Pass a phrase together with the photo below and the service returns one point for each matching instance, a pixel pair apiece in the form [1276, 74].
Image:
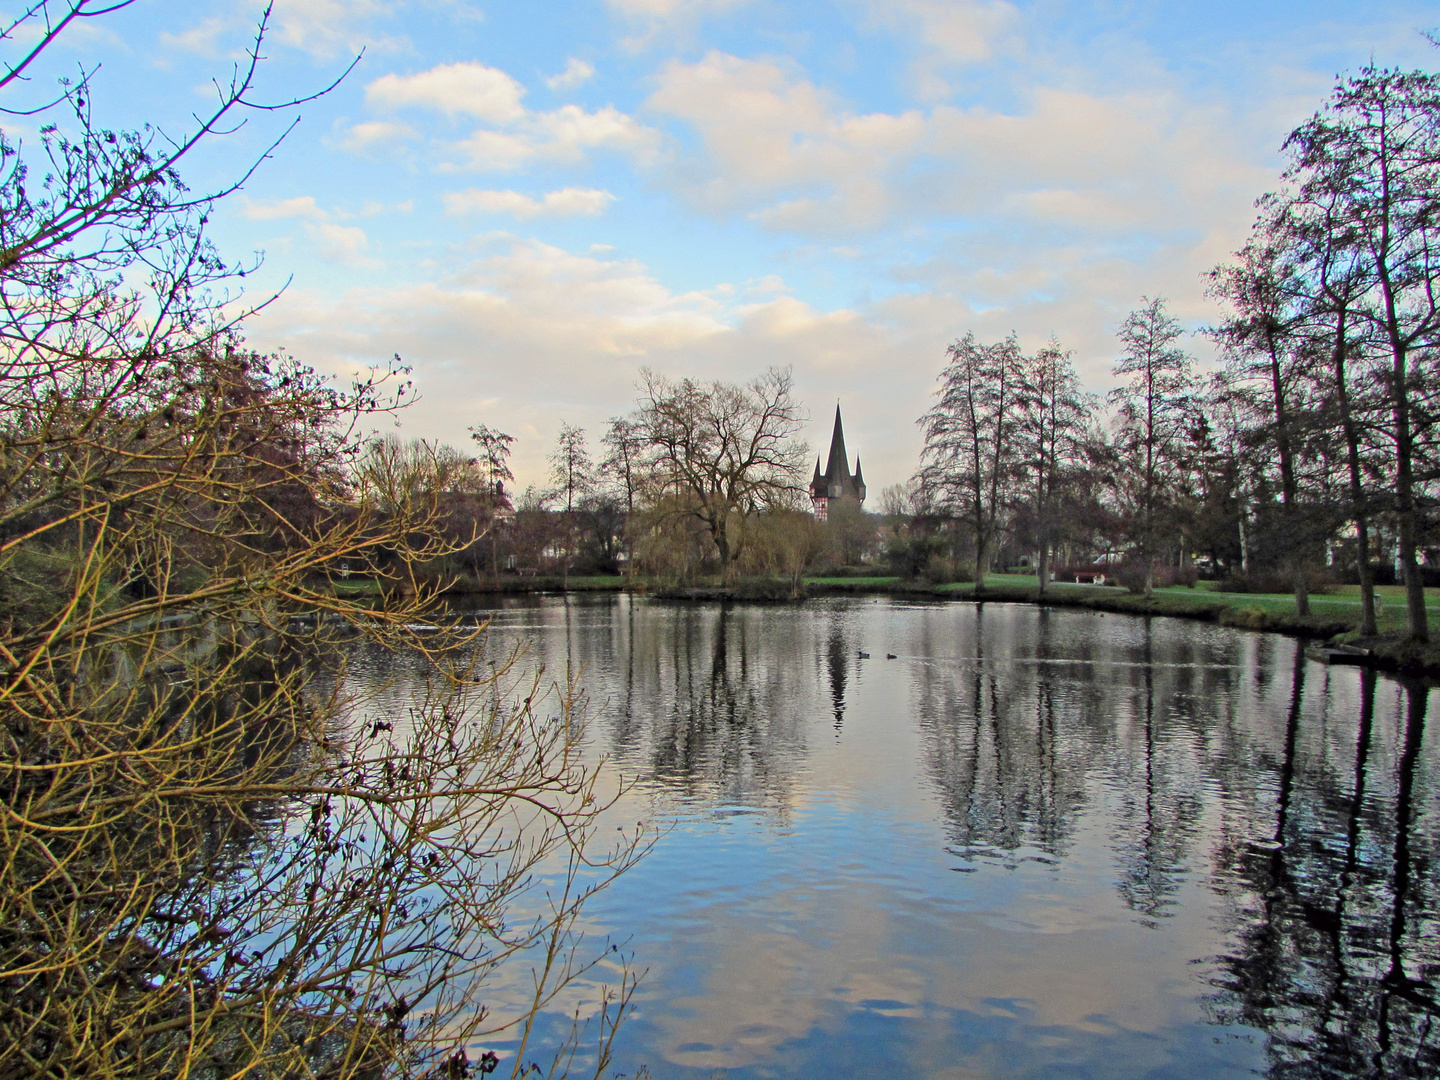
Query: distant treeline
[1308, 456]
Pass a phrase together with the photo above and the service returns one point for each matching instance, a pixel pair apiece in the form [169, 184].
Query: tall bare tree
[719, 453]
[971, 449]
[1152, 417]
[1332, 284]
[624, 457]
[492, 457]
[1053, 419]
[1371, 154]
[571, 470]
[1271, 368]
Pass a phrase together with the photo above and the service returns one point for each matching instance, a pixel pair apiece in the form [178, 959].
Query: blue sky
[529, 202]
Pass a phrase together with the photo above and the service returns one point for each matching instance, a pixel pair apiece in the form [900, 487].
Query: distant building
[837, 482]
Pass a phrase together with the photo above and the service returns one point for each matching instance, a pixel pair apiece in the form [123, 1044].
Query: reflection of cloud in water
[1174, 853]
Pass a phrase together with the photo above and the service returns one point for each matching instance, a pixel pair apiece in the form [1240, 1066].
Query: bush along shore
[1334, 619]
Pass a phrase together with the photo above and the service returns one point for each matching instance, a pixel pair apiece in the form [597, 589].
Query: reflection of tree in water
[1333, 906]
[1160, 804]
[718, 691]
[1007, 751]
[1315, 793]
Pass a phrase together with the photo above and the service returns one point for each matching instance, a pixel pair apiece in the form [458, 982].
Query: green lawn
[1343, 604]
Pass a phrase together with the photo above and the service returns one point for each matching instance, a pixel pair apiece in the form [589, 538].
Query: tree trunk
[1405, 508]
[1358, 512]
[1406, 511]
[1244, 543]
[1042, 565]
[722, 545]
[1294, 525]
[1367, 575]
[979, 559]
[1147, 552]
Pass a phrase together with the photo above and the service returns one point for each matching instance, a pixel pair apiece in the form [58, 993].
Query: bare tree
[570, 468]
[719, 453]
[971, 453]
[1370, 156]
[1271, 368]
[492, 457]
[624, 456]
[1152, 421]
[492, 463]
[1053, 419]
[1332, 284]
[213, 861]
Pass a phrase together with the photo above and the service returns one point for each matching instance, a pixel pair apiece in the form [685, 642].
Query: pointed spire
[837, 471]
[859, 476]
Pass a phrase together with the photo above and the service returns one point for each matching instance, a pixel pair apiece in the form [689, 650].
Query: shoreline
[1386, 651]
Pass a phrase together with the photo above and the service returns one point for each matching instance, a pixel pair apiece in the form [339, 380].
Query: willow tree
[719, 453]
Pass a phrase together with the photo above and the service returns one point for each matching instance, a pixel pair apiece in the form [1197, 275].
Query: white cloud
[203, 39]
[568, 202]
[945, 34]
[577, 72]
[538, 332]
[767, 133]
[962, 31]
[562, 136]
[329, 240]
[372, 133]
[517, 136]
[340, 243]
[786, 152]
[671, 19]
[325, 29]
[469, 88]
[301, 206]
[666, 10]
[328, 28]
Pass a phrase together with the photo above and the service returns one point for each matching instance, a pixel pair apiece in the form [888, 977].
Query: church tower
[837, 482]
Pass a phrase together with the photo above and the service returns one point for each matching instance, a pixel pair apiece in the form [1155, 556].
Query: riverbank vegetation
[1304, 461]
[218, 856]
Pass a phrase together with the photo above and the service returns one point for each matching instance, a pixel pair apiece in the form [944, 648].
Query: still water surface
[1031, 844]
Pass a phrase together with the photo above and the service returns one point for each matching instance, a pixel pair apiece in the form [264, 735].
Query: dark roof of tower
[838, 467]
[837, 481]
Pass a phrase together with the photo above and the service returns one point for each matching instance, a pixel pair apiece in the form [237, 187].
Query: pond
[951, 840]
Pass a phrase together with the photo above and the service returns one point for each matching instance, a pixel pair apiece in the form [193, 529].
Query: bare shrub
[214, 863]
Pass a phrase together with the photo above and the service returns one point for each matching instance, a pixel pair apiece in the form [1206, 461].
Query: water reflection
[1182, 850]
[1334, 918]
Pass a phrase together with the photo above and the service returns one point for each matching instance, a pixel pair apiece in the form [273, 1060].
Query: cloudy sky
[528, 202]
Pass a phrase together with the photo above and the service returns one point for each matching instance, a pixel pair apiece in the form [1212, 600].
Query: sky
[530, 202]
